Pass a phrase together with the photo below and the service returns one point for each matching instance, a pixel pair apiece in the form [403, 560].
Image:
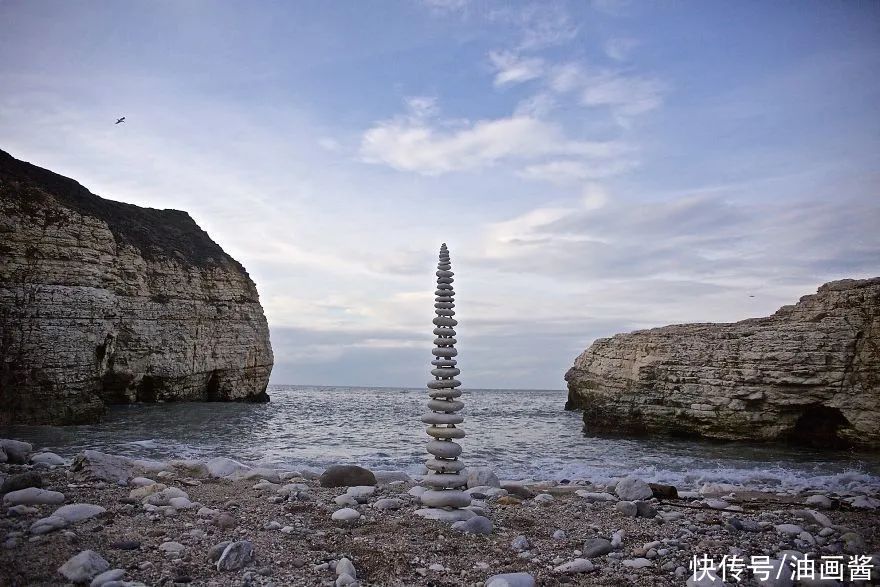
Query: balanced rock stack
[443, 498]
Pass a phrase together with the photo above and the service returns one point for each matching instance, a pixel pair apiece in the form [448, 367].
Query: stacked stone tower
[443, 498]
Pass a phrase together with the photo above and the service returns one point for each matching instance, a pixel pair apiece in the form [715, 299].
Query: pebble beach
[102, 519]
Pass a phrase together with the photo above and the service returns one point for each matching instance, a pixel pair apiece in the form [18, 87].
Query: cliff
[810, 373]
[103, 302]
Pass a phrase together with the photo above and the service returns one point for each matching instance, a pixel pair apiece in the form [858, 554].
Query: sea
[522, 434]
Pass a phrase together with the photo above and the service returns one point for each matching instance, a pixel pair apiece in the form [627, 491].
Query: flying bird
[120, 120]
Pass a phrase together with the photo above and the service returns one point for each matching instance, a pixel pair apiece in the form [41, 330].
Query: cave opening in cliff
[819, 427]
[146, 391]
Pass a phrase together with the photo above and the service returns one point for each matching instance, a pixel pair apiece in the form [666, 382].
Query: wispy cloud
[620, 49]
[419, 143]
[513, 69]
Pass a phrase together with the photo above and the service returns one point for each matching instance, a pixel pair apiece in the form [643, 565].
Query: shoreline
[158, 522]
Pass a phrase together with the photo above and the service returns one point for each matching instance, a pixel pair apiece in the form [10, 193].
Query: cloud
[627, 96]
[573, 171]
[513, 69]
[619, 49]
[430, 147]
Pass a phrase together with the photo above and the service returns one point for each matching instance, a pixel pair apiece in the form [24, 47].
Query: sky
[595, 167]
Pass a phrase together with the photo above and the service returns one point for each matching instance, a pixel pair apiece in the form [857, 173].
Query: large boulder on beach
[104, 467]
[809, 374]
[104, 302]
[16, 451]
[633, 489]
[346, 476]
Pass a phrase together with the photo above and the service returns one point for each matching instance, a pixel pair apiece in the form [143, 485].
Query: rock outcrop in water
[103, 302]
[810, 373]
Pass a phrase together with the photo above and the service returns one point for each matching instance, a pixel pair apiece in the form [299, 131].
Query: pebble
[273, 525]
[361, 493]
[436, 567]
[578, 565]
[544, 498]
[560, 534]
[637, 563]
[520, 543]
[617, 539]
[627, 508]
[346, 516]
[716, 504]
[223, 520]
[125, 545]
[84, 566]
[476, 525]
[33, 496]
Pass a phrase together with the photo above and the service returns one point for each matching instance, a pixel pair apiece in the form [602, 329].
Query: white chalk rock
[33, 496]
[84, 567]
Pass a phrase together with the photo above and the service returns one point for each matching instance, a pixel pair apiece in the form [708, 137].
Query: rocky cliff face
[103, 302]
[810, 373]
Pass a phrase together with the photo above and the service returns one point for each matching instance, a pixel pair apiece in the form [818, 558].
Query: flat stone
[578, 565]
[346, 476]
[448, 498]
[49, 524]
[627, 508]
[716, 504]
[511, 580]
[386, 477]
[790, 529]
[444, 515]
[225, 468]
[596, 547]
[236, 556]
[106, 577]
[83, 567]
[389, 503]
[125, 545]
[361, 492]
[637, 563]
[544, 498]
[141, 482]
[47, 458]
[264, 473]
[21, 510]
[593, 496]
[446, 480]
[33, 496]
[77, 512]
[476, 525]
[633, 489]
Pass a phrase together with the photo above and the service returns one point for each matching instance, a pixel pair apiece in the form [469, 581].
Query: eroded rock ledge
[810, 373]
[104, 302]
